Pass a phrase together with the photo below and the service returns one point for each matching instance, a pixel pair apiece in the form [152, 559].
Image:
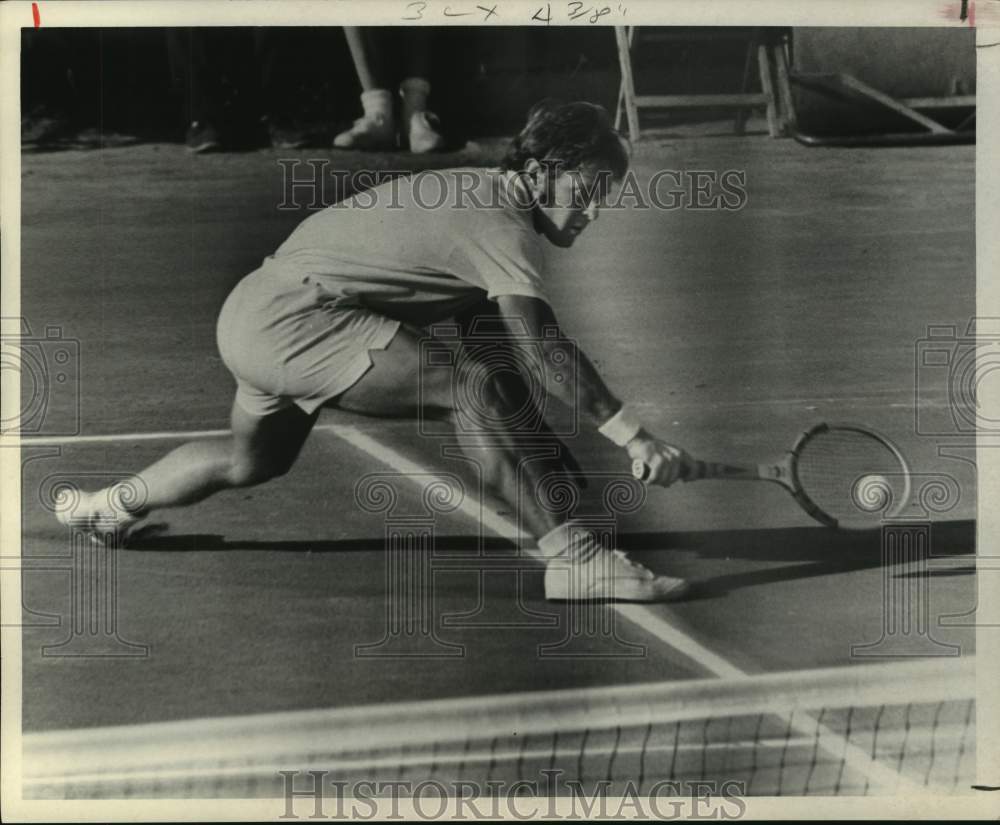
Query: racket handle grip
[693, 471]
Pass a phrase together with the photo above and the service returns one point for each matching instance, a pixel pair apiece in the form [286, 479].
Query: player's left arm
[571, 377]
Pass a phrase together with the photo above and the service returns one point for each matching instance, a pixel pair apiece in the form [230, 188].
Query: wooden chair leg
[767, 86]
[620, 104]
[628, 85]
[741, 114]
[786, 105]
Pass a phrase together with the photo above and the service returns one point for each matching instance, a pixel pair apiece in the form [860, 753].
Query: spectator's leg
[376, 128]
[48, 103]
[365, 55]
[419, 126]
[187, 52]
[279, 92]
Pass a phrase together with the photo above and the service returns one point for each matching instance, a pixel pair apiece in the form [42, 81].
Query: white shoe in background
[423, 134]
[421, 128]
[375, 129]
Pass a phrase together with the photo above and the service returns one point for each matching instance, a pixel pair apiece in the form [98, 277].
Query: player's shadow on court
[212, 543]
[810, 551]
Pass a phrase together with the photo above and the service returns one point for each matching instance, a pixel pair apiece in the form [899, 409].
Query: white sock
[414, 91]
[377, 104]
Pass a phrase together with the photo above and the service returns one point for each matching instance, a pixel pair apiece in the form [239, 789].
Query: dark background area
[120, 80]
[99, 87]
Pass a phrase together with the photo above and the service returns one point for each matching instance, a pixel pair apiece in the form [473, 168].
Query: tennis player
[338, 318]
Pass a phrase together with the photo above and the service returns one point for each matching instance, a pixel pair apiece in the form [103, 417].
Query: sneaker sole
[369, 147]
[123, 534]
[675, 594]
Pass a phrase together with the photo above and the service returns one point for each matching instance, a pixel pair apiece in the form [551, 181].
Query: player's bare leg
[257, 449]
[395, 388]
[579, 568]
[376, 128]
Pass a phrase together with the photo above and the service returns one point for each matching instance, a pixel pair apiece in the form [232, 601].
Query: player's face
[568, 204]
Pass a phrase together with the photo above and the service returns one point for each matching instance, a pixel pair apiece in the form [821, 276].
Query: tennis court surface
[261, 631]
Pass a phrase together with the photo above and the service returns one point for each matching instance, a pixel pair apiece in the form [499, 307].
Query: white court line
[105, 438]
[59, 440]
[640, 615]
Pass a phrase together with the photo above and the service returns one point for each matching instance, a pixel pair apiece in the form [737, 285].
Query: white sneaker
[371, 132]
[608, 576]
[423, 134]
[421, 127]
[107, 524]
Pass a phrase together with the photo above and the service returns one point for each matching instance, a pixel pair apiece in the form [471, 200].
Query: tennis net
[867, 729]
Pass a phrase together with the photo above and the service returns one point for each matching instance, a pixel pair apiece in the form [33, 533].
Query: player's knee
[480, 397]
[250, 473]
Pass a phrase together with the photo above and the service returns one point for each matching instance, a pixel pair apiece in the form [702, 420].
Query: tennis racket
[843, 475]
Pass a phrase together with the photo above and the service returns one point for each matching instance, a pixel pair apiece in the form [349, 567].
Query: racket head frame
[794, 483]
[784, 472]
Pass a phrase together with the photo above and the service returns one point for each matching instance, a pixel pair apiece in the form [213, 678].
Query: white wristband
[622, 427]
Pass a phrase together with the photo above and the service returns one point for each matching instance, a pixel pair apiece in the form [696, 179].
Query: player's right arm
[572, 377]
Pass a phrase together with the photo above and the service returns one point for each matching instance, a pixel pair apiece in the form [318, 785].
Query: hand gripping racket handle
[696, 470]
[692, 471]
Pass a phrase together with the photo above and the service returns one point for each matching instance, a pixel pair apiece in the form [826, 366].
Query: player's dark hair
[567, 136]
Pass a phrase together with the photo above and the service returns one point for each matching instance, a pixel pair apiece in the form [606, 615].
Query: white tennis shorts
[288, 346]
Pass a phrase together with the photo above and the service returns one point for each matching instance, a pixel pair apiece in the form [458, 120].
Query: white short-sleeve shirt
[416, 247]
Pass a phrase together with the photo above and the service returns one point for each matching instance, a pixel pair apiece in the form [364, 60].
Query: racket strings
[853, 476]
